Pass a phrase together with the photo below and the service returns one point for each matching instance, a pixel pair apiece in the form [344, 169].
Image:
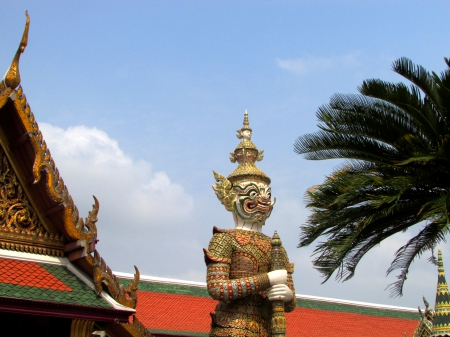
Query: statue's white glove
[280, 292]
[277, 277]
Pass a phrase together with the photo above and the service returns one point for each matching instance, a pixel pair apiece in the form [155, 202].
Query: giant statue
[246, 272]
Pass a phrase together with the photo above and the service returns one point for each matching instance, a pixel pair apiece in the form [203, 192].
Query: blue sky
[139, 101]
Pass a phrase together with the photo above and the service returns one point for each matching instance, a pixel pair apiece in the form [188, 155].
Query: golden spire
[246, 154]
[245, 127]
[441, 324]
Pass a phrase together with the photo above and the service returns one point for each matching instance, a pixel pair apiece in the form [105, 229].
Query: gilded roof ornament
[11, 80]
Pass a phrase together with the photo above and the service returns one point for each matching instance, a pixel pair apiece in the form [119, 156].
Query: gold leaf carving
[15, 209]
[104, 275]
[20, 227]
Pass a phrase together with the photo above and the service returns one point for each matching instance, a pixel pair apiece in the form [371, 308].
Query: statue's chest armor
[250, 254]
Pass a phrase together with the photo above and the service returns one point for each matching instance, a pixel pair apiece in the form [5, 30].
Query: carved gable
[20, 227]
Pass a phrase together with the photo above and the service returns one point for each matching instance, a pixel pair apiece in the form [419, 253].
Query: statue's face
[252, 201]
[247, 134]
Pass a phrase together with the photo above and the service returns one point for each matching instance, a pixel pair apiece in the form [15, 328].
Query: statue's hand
[280, 292]
[277, 277]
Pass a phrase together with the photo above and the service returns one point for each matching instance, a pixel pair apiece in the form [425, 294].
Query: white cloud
[140, 210]
[304, 65]
[91, 162]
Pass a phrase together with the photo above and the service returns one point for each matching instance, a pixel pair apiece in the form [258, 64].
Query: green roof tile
[81, 294]
[356, 309]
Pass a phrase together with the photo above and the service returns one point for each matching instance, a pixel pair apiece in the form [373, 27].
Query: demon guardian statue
[239, 272]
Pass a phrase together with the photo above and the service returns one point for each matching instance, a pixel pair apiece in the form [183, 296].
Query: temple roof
[181, 308]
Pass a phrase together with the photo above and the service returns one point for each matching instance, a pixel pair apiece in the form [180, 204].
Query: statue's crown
[246, 154]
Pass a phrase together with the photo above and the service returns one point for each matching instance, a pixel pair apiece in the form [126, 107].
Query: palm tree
[396, 142]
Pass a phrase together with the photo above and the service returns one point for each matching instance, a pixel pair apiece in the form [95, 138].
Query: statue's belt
[239, 308]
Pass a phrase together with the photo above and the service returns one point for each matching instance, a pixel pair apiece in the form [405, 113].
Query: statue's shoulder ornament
[245, 237]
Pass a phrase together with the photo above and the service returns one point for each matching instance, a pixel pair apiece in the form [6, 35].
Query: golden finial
[246, 127]
[12, 76]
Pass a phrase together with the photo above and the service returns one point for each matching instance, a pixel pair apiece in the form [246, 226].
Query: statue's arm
[222, 288]
[219, 285]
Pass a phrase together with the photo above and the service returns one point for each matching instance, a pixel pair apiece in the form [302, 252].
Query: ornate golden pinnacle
[246, 127]
[246, 154]
[12, 76]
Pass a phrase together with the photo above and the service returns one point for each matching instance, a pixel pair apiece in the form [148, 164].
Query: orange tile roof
[174, 309]
[29, 274]
[313, 322]
[187, 313]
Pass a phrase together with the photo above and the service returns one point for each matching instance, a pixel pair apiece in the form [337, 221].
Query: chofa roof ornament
[12, 76]
[11, 80]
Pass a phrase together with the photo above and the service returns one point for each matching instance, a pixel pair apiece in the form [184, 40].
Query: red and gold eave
[60, 232]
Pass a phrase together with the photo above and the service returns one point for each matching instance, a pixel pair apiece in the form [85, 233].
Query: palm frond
[396, 142]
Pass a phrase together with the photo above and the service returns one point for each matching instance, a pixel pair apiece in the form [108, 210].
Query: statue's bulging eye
[253, 194]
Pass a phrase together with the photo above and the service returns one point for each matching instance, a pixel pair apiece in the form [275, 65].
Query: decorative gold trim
[441, 328]
[104, 275]
[31, 242]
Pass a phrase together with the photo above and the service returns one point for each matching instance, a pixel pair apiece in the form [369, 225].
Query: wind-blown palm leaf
[396, 139]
